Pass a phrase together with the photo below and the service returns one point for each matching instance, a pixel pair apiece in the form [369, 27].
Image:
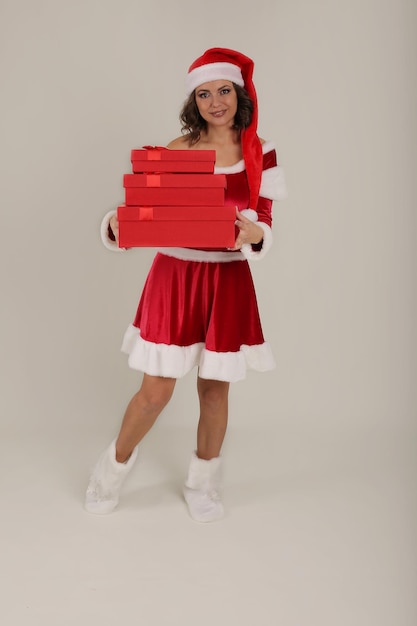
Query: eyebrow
[219, 89]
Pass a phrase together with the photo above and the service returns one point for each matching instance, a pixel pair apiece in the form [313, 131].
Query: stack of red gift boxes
[173, 198]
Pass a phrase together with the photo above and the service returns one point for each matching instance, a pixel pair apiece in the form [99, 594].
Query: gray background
[84, 82]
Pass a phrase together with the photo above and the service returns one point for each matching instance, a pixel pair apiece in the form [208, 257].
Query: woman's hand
[249, 232]
[114, 225]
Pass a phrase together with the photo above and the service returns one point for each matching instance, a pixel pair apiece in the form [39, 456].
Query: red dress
[198, 307]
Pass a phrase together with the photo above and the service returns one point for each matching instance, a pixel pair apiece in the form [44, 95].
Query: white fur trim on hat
[250, 214]
[213, 71]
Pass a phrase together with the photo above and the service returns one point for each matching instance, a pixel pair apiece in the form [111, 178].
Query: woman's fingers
[241, 219]
[249, 232]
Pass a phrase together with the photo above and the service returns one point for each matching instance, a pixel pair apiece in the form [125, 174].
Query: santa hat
[222, 63]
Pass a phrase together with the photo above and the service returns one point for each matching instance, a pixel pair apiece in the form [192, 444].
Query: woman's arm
[272, 188]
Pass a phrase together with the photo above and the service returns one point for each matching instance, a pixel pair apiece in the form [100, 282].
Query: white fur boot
[202, 489]
[106, 481]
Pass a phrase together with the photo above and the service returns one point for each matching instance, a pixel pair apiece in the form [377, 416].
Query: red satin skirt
[202, 314]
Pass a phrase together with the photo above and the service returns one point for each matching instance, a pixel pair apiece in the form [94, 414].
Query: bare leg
[213, 396]
[203, 484]
[142, 412]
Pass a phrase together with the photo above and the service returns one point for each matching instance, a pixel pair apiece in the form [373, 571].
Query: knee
[213, 397]
[155, 399]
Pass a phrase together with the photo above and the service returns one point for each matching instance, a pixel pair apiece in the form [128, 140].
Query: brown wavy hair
[193, 124]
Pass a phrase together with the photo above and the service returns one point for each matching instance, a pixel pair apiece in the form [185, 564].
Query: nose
[216, 101]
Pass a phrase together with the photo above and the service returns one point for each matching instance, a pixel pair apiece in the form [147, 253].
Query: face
[217, 102]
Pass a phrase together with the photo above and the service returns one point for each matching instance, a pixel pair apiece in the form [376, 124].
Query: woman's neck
[220, 136]
[226, 143]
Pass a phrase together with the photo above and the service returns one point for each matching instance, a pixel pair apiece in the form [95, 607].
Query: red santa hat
[222, 63]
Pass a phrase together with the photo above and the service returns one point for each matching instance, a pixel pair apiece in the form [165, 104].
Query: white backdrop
[320, 480]
[84, 82]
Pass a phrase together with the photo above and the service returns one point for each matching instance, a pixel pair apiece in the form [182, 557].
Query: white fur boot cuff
[202, 489]
[106, 480]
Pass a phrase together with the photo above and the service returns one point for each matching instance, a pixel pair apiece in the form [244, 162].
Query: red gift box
[174, 189]
[168, 196]
[174, 180]
[190, 226]
[158, 159]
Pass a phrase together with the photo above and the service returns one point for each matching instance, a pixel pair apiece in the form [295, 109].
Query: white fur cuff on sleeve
[273, 184]
[104, 233]
[257, 255]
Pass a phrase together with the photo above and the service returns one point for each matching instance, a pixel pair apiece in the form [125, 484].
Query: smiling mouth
[218, 113]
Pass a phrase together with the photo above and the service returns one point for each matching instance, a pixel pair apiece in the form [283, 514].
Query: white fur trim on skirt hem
[171, 361]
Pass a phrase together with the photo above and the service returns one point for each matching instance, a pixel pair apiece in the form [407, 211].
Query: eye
[225, 91]
[203, 94]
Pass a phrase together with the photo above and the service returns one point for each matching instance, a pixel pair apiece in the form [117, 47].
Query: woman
[198, 307]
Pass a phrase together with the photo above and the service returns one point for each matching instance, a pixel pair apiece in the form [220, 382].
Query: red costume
[198, 307]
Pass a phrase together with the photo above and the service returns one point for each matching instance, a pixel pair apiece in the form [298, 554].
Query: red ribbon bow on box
[145, 213]
[154, 152]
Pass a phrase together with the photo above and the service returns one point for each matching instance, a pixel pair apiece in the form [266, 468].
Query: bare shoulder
[180, 143]
[262, 140]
